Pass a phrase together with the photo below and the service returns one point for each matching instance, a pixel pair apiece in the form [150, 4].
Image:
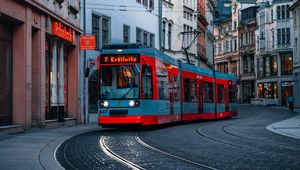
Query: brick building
[39, 59]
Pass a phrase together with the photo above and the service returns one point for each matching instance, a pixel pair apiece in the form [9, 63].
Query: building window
[273, 36]
[126, 34]
[287, 11]
[278, 12]
[138, 35]
[138, 1]
[286, 64]
[278, 36]
[163, 34]
[152, 40]
[282, 12]
[267, 66]
[274, 65]
[260, 67]
[235, 45]
[145, 38]
[288, 36]
[95, 29]
[169, 36]
[283, 35]
[145, 3]
[222, 67]
[151, 4]
[105, 31]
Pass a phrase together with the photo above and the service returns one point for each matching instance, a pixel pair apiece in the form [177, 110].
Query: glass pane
[125, 82]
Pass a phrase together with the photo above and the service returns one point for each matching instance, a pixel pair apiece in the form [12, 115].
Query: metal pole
[214, 74]
[160, 23]
[84, 68]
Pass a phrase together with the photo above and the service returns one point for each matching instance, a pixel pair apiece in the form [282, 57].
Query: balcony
[74, 6]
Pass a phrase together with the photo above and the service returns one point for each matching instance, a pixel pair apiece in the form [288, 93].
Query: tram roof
[225, 76]
[197, 70]
[140, 49]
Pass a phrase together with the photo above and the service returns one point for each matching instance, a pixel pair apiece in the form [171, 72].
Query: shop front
[5, 73]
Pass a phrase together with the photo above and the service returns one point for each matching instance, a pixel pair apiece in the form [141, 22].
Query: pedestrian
[291, 103]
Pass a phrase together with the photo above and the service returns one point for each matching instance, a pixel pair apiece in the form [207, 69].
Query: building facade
[247, 27]
[202, 28]
[39, 58]
[178, 17]
[295, 9]
[274, 57]
[210, 10]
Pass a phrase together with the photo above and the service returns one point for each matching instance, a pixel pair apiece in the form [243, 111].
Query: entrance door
[286, 91]
[200, 98]
[5, 75]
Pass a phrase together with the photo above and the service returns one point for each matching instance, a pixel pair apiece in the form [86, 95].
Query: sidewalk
[34, 149]
[289, 127]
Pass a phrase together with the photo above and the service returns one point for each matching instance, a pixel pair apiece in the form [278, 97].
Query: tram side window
[221, 93]
[146, 81]
[208, 92]
[162, 78]
[106, 76]
[190, 90]
[232, 94]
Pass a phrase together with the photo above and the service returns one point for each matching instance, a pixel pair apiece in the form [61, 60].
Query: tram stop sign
[87, 42]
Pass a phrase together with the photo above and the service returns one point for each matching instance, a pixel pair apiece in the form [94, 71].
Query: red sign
[115, 59]
[88, 42]
[62, 31]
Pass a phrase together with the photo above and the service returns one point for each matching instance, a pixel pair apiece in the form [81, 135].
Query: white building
[274, 58]
[118, 21]
[295, 9]
[179, 16]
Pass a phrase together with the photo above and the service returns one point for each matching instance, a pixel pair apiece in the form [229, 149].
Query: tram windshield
[119, 82]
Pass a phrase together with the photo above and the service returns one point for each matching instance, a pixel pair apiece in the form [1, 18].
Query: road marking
[117, 157]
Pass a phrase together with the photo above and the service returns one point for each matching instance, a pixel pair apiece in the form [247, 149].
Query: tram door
[200, 97]
[226, 93]
[172, 92]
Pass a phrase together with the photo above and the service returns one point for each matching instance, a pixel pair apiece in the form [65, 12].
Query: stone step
[8, 129]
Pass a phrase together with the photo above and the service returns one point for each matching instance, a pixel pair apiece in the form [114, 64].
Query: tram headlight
[104, 103]
[131, 103]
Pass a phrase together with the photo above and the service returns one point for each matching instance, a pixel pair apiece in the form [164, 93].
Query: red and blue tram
[143, 86]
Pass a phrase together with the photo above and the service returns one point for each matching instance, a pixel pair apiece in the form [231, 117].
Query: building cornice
[295, 5]
[52, 14]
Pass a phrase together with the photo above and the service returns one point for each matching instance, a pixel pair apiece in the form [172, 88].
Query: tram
[143, 86]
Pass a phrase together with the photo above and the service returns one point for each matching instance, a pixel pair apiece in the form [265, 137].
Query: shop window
[221, 93]
[267, 90]
[190, 90]
[146, 81]
[286, 64]
[208, 92]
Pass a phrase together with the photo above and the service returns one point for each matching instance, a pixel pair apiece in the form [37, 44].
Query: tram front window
[119, 82]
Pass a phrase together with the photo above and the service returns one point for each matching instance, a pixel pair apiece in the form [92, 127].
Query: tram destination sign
[119, 58]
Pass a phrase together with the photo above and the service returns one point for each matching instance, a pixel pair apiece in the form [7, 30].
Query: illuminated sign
[119, 58]
[88, 42]
[62, 31]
